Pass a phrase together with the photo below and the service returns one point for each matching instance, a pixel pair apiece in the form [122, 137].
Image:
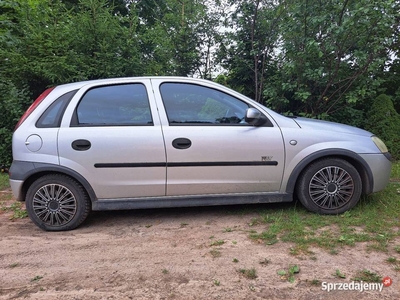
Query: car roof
[80, 84]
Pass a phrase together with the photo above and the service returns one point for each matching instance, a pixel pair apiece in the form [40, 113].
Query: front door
[210, 148]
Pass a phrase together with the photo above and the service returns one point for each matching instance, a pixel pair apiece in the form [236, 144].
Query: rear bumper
[16, 187]
[19, 172]
[381, 167]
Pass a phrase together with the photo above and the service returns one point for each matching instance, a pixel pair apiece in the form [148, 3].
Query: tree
[384, 121]
[250, 45]
[391, 74]
[330, 55]
[13, 98]
[118, 7]
[209, 29]
[102, 46]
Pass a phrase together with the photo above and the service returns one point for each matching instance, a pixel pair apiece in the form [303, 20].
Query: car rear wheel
[329, 186]
[57, 202]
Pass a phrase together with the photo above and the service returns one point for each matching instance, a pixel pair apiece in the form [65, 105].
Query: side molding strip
[186, 164]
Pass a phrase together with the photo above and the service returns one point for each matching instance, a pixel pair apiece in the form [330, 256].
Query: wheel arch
[353, 158]
[29, 172]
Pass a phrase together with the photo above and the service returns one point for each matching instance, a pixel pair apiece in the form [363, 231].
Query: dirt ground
[171, 254]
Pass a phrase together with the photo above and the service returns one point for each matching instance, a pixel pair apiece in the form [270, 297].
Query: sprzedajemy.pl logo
[360, 286]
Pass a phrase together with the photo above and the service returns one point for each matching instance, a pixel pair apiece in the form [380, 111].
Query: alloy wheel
[54, 204]
[331, 187]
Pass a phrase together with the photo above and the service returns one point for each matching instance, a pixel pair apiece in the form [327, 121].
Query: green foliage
[384, 121]
[50, 42]
[247, 51]
[18, 212]
[36, 278]
[12, 103]
[290, 273]
[330, 49]
[217, 243]
[353, 116]
[339, 274]
[4, 181]
[249, 273]
[367, 276]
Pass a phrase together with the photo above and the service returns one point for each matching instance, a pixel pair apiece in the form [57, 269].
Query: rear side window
[52, 116]
[115, 105]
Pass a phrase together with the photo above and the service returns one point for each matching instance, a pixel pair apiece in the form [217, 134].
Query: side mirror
[255, 117]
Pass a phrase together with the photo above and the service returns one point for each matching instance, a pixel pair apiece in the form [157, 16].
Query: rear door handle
[81, 145]
[181, 143]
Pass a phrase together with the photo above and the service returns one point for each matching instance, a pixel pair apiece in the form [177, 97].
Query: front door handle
[81, 145]
[181, 143]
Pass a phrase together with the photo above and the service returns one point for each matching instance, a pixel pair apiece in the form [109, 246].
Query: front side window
[125, 104]
[199, 105]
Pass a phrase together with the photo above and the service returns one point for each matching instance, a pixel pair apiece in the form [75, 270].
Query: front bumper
[381, 166]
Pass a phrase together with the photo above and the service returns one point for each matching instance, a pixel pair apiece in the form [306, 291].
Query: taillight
[33, 106]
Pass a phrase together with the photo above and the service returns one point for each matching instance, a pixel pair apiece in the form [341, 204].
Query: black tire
[329, 186]
[56, 202]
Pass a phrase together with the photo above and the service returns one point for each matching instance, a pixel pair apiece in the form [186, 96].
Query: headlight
[381, 145]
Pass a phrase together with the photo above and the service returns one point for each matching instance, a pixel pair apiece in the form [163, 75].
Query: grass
[215, 253]
[396, 170]
[14, 265]
[316, 282]
[18, 212]
[290, 273]
[217, 243]
[394, 262]
[339, 274]
[367, 276]
[36, 278]
[374, 220]
[248, 273]
[4, 183]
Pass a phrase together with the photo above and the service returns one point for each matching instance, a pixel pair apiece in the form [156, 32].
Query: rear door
[111, 134]
[210, 148]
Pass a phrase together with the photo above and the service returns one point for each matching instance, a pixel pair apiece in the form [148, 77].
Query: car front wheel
[57, 202]
[329, 186]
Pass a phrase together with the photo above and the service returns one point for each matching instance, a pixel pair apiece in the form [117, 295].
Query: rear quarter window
[52, 116]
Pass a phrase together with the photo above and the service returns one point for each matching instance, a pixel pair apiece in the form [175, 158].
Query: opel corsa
[151, 142]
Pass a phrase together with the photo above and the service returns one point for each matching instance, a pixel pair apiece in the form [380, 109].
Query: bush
[13, 102]
[384, 121]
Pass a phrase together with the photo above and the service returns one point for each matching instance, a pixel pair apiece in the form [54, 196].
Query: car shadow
[148, 216]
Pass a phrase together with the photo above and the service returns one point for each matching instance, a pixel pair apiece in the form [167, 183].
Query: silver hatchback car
[150, 142]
